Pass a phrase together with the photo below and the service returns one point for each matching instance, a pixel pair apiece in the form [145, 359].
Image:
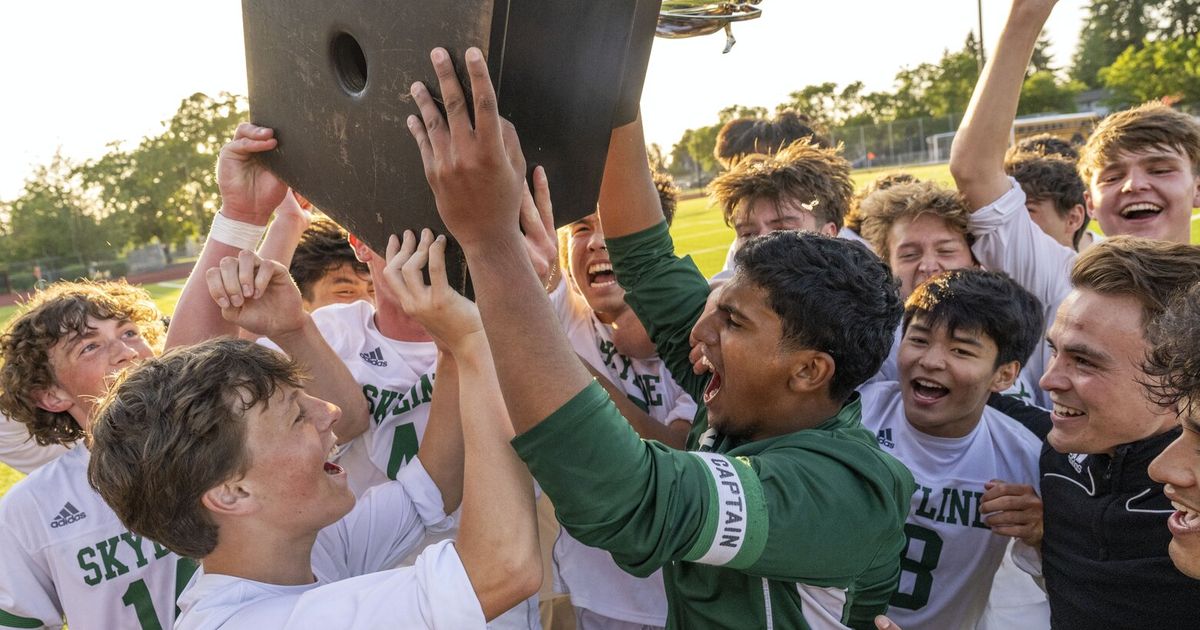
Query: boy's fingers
[437, 263]
[541, 198]
[247, 265]
[216, 287]
[412, 268]
[487, 113]
[512, 147]
[453, 99]
[393, 248]
[230, 280]
[417, 129]
[266, 271]
[435, 126]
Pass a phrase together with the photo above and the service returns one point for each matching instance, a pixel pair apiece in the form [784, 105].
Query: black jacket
[1104, 554]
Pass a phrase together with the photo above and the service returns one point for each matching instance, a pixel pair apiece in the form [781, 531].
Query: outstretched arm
[497, 540]
[977, 156]
[249, 194]
[283, 235]
[629, 201]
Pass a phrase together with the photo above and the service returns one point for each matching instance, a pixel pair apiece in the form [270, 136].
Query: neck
[269, 556]
[807, 415]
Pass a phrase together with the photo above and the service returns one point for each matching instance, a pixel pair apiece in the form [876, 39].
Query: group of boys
[916, 401]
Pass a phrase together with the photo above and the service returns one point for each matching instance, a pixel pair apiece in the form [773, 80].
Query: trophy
[693, 18]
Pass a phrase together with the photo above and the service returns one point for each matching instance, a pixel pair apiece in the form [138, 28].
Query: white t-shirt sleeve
[27, 594]
[388, 523]
[434, 593]
[20, 451]
[1007, 239]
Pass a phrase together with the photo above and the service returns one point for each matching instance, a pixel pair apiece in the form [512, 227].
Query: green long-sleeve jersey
[802, 530]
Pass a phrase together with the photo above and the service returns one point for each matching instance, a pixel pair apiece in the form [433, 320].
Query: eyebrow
[1088, 352]
[732, 311]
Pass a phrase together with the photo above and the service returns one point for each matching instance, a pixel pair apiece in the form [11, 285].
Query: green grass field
[698, 230]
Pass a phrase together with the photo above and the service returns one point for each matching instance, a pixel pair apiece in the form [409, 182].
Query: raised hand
[477, 173]
[450, 318]
[537, 223]
[249, 192]
[1013, 510]
[257, 295]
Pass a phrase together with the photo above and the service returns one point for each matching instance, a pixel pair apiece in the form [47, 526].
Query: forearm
[977, 155]
[282, 238]
[536, 378]
[331, 380]
[628, 199]
[197, 317]
[442, 445]
[673, 435]
[497, 539]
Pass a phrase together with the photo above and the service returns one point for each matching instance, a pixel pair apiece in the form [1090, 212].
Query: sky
[79, 74]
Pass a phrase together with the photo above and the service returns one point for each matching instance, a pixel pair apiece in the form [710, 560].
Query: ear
[361, 251]
[811, 372]
[54, 400]
[1087, 203]
[228, 498]
[1005, 376]
[1196, 197]
[829, 229]
[1076, 217]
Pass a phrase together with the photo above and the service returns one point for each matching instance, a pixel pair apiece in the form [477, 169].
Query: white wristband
[237, 234]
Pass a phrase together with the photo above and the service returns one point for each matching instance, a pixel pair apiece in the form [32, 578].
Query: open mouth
[333, 469]
[1141, 211]
[927, 391]
[1067, 413]
[1184, 521]
[601, 275]
[714, 383]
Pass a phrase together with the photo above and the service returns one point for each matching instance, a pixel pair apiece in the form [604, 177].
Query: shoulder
[52, 481]
[221, 601]
[881, 403]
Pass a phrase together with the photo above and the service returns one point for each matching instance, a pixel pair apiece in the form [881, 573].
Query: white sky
[79, 74]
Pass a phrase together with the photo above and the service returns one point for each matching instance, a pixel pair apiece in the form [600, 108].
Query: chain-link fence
[899, 142]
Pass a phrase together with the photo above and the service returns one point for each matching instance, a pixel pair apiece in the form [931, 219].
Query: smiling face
[923, 247]
[1095, 373]
[1060, 227]
[82, 365]
[591, 269]
[762, 215]
[946, 378]
[740, 341]
[1148, 193]
[290, 480]
[1178, 469]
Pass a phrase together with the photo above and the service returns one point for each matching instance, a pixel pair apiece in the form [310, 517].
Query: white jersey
[397, 380]
[352, 587]
[589, 574]
[63, 552]
[18, 449]
[951, 555]
[1007, 240]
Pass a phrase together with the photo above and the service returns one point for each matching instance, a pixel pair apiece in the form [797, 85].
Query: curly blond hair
[56, 313]
[801, 172]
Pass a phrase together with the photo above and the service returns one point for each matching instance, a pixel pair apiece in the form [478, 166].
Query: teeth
[599, 268]
[924, 383]
[1190, 517]
[706, 363]
[1067, 412]
[1140, 207]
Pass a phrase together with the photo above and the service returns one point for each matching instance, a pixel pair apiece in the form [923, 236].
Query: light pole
[982, 55]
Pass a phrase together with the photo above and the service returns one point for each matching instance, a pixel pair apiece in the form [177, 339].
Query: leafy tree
[1041, 60]
[682, 163]
[1169, 68]
[700, 147]
[165, 188]
[740, 111]
[1043, 93]
[53, 218]
[950, 89]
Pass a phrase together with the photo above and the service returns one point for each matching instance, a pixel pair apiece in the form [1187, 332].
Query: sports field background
[698, 230]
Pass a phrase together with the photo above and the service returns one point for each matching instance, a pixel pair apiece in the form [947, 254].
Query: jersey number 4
[920, 568]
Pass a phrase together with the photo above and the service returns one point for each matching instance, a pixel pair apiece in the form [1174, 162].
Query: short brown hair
[1049, 177]
[668, 194]
[1146, 126]
[880, 210]
[883, 182]
[741, 137]
[172, 428]
[323, 247]
[60, 312]
[1150, 271]
[1044, 144]
[1174, 361]
[800, 173]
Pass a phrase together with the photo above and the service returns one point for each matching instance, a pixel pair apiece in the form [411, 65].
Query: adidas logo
[1076, 460]
[69, 514]
[885, 438]
[374, 357]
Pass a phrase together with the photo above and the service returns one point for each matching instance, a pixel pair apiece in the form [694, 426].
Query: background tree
[1044, 93]
[1161, 69]
[53, 218]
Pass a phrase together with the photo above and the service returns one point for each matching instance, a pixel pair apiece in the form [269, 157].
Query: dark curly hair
[832, 295]
[1049, 177]
[1046, 145]
[1173, 362]
[55, 314]
[741, 137]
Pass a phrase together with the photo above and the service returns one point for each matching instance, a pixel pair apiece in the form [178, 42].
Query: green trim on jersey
[735, 533]
[9, 620]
